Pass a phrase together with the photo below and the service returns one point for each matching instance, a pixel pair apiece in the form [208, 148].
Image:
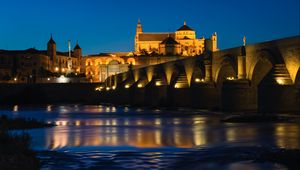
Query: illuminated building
[33, 65]
[181, 42]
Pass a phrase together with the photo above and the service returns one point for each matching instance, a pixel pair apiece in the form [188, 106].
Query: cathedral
[182, 42]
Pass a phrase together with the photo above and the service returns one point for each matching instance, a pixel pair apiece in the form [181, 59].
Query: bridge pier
[238, 96]
[155, 95]
[278, 98]
[137, 95]
[179, 97]
[205, 96]
[241, 67]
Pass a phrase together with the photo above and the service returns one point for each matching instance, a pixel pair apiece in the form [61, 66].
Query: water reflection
[15, 108]
[162, 132]
[101, 126]
[143, 133]
[287, 136]
[49, 108]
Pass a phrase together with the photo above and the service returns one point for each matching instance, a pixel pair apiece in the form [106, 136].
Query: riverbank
[15, 151]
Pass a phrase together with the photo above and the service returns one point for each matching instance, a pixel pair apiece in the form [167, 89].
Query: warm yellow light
[177, 86]
[127, 86]
[63, 70]
[158, 83]
[48, 79]
[140, 85]
[230, 78]
[107, 88]
[15, 79]
[56, 69]
[280, 81]
[198, 80]
[114, 87]
[99, 88]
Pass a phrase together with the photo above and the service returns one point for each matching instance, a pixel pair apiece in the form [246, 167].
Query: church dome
[185, 28]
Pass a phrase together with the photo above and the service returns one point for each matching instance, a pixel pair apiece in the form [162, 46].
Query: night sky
[109, 25]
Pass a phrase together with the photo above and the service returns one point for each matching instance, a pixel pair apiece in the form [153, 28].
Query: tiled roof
[169, 40]
[155, 36]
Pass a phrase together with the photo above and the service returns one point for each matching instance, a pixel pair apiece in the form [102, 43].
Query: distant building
[33, 65]
[181, 42]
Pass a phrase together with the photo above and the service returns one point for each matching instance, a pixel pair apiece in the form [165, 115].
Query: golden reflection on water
[287, 136]
[15, 108]
[114, 132]
[151, 133]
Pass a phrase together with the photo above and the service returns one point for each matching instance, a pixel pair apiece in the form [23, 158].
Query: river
[109, 137]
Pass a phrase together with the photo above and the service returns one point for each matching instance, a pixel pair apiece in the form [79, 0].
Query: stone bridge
[263, 77]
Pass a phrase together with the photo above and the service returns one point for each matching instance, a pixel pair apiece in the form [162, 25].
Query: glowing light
[63, 70]
[99, 88]
[198, 80]
[280, 81]
[16, 108]
[107, 88]
[77, 123]
[157, 122]
[158, 83]
[15, 79]
[49, 108]
[62, 79]
[127, 86]
[114, 87]
[56, 68]
[48, 79]
[177, 86]
[140, 85]
[230, 78]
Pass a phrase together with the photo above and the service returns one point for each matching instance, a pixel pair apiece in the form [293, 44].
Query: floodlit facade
[181, 42]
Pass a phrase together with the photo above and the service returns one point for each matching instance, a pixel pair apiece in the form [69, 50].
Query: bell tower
[51, 52]
[214, 39]
[77, 51]
[139, 30]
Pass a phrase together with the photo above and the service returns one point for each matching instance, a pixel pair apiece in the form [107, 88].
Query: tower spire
[184, 23]
[139, 28]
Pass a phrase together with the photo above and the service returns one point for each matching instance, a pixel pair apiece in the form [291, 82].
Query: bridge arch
[265, 62]
[159, 77]
[198, 75]
[189, 68]
[179, 77]
[131, 61]
[227, 70]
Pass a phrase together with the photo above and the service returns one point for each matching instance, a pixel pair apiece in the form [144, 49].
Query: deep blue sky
[109, 25]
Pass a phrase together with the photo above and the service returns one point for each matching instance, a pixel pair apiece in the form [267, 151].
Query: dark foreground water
[106, 137]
